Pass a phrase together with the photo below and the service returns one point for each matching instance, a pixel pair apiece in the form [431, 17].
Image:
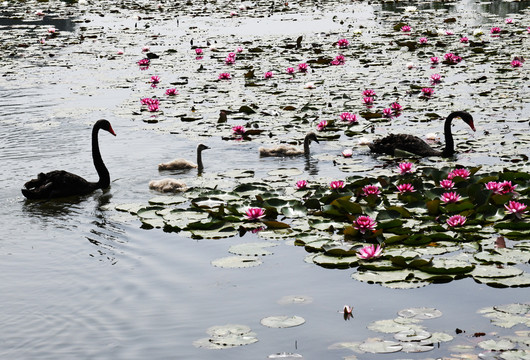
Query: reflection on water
[59, 23]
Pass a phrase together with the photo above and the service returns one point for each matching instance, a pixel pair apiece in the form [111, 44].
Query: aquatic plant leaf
[504, 256]
[130, 208]
[437, 337]
[285, 355]
[447, 266]
[251, 249]
[232, 262]
[496, 345]
[381, 347]
[420, 313]
[412, 335]
[334, 262]
[167, 200]
[275, 224]
[285, 172]
[295, 299]
[415, 347]
[491, 271]
[282, 321]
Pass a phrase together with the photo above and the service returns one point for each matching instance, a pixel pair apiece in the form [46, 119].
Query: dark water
[81, 280]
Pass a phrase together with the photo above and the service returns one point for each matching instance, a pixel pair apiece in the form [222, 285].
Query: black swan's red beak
[111, 130]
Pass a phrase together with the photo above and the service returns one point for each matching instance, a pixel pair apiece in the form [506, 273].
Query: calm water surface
[81, 280]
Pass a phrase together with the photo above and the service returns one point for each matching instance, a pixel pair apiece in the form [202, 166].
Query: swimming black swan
[60, 183]
[289, 150]
[185, 164]
[415, 145]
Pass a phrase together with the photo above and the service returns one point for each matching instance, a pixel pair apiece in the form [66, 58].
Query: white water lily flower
[357, 32]
[410, 65]
[440, 32]
[309, 85]
[347, 153]
[431, 136]
[364, 141]
[478, 32]
[411, 9]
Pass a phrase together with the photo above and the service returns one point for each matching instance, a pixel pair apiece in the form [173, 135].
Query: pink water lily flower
[238, 130]
[456, 220]
[516, 208]
[268, 75]
[239, 49]
[427, 92]
[224, 76]
[302, 67]
[230, 60]
[52, 30]
[464, 40]
[155, 80]
[322, 125]
[172, 92]
[152, 107]
[435, 60]
[347, 153]
[370, 252]
[506, 187]
[119, 52]
[345, 116]
[436, 79]
[371, 190]
[463, 173]
[388, 112]
[289, 70]
[495, 30]
[337, 184]
[149, 101]
[423, 40]
[369, 93]
[144, 62]
[343, 43]
[405, 188]
[405, 28]
[339, 60]
[452, 59]
[509, 21]
[450, 197]
[368, 100]
[447, 184]
[405, 168]
[364, 223]
[301, 184]
[493, 186]
[516, 63]
[254, 213]
[199, 51]
[396, 107]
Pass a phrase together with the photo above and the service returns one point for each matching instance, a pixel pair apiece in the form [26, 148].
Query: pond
[90, 277]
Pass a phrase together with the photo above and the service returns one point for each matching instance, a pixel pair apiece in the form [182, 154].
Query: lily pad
[233, 262]
[251, 249]
[282, 321]
[381, 347]
[420, 313]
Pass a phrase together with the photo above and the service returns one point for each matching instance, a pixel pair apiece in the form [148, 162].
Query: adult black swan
[59, 183]
[415, 145]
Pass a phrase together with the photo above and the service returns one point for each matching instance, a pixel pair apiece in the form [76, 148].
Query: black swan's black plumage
[60, 183]
[415, 145]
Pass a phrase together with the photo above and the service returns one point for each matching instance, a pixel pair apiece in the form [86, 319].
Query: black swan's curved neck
[200, 166]
[449, 149]
[104, 176]
[307, 141]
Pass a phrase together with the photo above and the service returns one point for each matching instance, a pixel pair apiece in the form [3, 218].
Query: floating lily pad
[412, 335]
[420, 313]
[282, 321]
[494, 345]
[285, 172]
[381, 347]
[227, 336]
[295, 299]
[251, 249]
[232, 262]
[415, 347]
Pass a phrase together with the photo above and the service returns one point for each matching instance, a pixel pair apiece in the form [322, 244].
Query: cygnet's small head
[312, 137]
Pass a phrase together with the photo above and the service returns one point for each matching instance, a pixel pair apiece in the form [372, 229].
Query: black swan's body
[59, 183]
[415, 145]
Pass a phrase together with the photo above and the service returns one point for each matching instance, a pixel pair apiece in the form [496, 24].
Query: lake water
[82, 280]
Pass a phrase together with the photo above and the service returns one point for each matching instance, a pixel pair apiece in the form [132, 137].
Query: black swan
[59, 183]
[289, 150]
[185, 164]
[415, 145]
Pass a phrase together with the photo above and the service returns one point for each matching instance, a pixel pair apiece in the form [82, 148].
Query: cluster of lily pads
[426, 235]
[409, 335]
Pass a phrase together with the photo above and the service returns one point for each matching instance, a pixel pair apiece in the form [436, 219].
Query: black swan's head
[104, 125]
[468, 119]
[202, 147]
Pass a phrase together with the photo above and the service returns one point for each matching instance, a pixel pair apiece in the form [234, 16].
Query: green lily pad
[285, 172]
[251, 249]
[491, 271]
[233, 262]
[496, 345]
[167, 200]
[282, 321]
[412, 335]
[416, 347]
[381, 347]
[420, 313]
